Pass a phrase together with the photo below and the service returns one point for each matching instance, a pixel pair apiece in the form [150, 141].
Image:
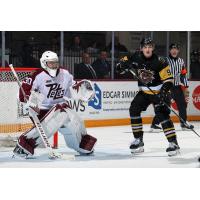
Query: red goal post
[12, 120]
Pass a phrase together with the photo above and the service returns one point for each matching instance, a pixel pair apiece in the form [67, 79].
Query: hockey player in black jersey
[154, 72]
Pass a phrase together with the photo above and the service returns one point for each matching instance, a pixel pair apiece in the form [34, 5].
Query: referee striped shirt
[176, 66]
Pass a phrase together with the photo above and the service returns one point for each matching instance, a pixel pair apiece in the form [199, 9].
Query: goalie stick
[52, 154]
[191, 127]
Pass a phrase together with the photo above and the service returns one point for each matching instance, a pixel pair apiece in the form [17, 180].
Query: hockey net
[13, 121]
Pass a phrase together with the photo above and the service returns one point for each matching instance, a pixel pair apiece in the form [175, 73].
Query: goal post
[13, 121]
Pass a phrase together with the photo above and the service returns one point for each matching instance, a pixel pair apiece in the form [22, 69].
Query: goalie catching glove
[83, 90]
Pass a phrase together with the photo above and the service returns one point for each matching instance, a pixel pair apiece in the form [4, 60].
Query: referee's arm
[183, 77]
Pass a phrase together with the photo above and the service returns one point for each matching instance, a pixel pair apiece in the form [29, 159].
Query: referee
[178, 71]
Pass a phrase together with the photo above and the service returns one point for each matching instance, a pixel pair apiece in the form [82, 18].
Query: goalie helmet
[49, 56]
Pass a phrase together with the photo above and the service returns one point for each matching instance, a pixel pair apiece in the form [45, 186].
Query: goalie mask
[49, 62]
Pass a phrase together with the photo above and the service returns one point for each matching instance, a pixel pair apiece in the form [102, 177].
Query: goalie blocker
[64, 120]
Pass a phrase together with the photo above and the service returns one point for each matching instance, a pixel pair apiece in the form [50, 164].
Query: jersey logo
[146, 76]
[55, 91]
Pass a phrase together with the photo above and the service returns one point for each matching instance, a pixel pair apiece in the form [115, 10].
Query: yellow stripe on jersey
[149, 92]
[165, 73]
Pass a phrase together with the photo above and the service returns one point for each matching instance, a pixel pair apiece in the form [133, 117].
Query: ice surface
[112, 150]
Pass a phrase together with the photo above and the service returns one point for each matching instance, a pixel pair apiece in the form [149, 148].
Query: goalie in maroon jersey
[47, 91]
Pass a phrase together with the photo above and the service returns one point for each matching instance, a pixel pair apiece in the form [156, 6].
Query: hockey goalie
[47, 91]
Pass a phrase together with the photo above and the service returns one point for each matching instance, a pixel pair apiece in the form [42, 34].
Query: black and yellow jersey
[153, 71]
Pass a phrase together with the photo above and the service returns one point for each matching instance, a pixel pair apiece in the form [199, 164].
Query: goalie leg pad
[75, 134]
[71, 139]
[51, 122]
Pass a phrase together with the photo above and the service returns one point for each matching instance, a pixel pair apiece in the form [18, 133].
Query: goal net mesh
[13, 121]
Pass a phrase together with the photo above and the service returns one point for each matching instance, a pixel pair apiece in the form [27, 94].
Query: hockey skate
[155, 129]
[137, 146]
[20, 152]
[173, 149]
[186, 128]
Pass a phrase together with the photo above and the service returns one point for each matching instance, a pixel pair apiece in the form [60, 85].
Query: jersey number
[28, 81]
[169, 72]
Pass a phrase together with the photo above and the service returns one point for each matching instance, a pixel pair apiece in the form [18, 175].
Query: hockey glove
[83, 90]
[34, 102]
[122, 67]
[164, 92]
[163, 95]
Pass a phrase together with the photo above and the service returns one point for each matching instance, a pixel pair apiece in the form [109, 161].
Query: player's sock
[169, 130]
[136, 125]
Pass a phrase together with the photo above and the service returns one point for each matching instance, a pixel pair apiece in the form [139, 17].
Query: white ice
[112, 150]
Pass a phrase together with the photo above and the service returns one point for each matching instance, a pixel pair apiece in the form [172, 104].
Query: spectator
[195, 65]
[55, 42]
[93, 47]
[102, 66]
[28, 58]
[118, 47]
[76, 44]
[85, 70]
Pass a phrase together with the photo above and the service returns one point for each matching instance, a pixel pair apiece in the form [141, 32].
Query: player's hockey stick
[52, 154]
[191, 127]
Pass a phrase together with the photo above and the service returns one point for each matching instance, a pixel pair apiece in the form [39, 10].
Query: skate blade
[23, 157]
[155, 130]
[173, 153]
[185, 129]
[137, 151]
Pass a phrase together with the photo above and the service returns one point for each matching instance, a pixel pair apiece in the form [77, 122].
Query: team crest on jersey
[55, 91]
[146, 76]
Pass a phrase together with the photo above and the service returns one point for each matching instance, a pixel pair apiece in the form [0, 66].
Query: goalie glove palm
[83, 90]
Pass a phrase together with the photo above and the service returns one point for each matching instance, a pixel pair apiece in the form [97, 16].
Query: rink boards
[109, 107]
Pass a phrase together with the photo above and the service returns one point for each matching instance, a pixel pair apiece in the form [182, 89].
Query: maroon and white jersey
[53, 88]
